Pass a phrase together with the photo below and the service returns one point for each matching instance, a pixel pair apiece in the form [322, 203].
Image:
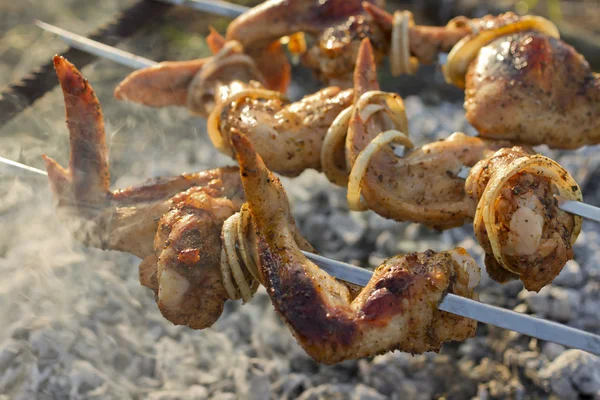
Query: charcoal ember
[224, 396]
[84, 377]
[10, 349]
[570, 276]
[175, 361]
[475, 349]
[194, 392]
[301, 362]
[573, 374]
[590, 317]
[377, 225]
[341, 392]
[552, 350]
[349, 227]
[316, 229]
[251, 378]
[559, 304]
[346, 371]
[290, 386]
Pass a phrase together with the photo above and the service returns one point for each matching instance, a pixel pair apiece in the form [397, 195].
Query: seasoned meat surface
[423, 185]
[289, 136]
[518, 223]
[172, 223]
[396, 310]
[534, 89]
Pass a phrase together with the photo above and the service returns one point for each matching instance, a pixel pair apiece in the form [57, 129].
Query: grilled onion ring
[537, 165]
[400, 59]
[333, 143]
[359, 169]
[214, 119]
[465, 51]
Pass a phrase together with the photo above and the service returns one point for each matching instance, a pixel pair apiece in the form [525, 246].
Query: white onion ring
[400, 60]
[359, 169]
[332, 142]
[394, 102]
[463, 53]
[214, 119]
[227, 278]
[241, 240]
[538, 165]
[230, 267]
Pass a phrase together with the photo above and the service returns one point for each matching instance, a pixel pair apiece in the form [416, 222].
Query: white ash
[77, 324]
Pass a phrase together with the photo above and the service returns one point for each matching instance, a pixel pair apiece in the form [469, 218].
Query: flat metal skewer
[14, 165]
[500, 317]
[216, 7]
[571, 206]
[99, 49]
[491, 315]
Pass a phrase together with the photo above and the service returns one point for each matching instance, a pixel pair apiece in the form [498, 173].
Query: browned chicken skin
[172, 223]
[396, 310]
[518, 223]
[423, 185]
[535, 89]
[509, 193]
[338, 27]
[288, 135]
[175, 225]
[524, 86]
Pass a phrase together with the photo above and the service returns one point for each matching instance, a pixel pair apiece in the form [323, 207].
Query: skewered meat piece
[338, 27]
[230, 88]
[535, 89]
[509, 193]
[521, 81]
[396, 310]
[173, 224]
[422, 186]
[186, 216]
[518, 223]
[266, 23]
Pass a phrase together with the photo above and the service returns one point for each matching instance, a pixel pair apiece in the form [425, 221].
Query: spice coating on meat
[289, 136]
[518, 223]
[396, 310]
[535, 89]
[172, 223]
[423, 185]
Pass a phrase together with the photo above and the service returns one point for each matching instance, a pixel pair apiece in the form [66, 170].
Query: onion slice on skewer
[214, 119]
[467, 48]
[333, 146]
[361, 164]
[400, 59]
[520, 223]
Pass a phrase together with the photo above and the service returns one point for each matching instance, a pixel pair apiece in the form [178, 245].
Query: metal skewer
[217, 7]
[128, 59]
[503, 318]
[99, 49]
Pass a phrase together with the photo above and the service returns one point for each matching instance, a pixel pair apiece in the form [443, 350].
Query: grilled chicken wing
[172, 223]
[175, 226]
[338, 27]
[423, 185]
[518, 223]
[396, 310]
[535, 89]
[522, 83]
[288, 135]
